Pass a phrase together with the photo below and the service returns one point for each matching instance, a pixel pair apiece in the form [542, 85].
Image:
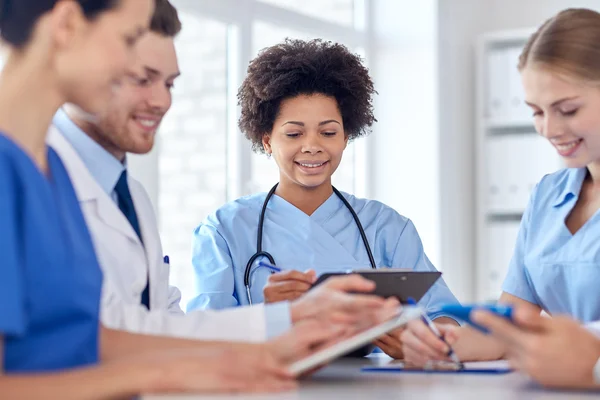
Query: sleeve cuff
[278, 319]
[435, 315]
[520, 292]
[594, 327]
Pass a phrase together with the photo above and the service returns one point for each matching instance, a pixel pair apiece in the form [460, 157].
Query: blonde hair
[568, 43]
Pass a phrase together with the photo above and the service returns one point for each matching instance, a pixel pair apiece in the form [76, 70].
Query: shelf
[504, 215]
[501, 124]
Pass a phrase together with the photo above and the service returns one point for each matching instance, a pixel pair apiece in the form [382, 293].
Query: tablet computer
[347, 345]
[393, 282]
[463, 312]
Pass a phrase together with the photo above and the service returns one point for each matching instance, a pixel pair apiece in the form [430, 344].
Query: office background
[422, 156]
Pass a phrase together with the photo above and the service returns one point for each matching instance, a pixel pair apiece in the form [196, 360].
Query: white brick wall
[192, 170]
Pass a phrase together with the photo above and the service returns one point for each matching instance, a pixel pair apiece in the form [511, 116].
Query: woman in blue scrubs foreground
[302, 101]
[77, 51]
[556, 262]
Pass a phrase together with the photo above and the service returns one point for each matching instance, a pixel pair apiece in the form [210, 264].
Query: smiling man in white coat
[136, 293]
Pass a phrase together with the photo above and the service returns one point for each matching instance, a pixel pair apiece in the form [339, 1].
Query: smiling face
[566, 112]
[95, 54]
[307, 140]
[141, 102]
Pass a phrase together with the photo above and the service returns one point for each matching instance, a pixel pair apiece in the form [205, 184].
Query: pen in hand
[273, 268]
[427, 321]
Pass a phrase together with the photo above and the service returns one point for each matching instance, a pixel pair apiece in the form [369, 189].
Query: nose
[312, 143]
[551, 127]
[160, 97]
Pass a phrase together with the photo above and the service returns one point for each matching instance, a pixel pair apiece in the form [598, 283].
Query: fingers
[313, 333]
[391, 350]
[306, 277]
[311, 273]
[287, 290]
[500, 327]
[274, 297]
[418, 338]
[350, 283]
[357, 302]
[303, 338]
[429, 340]
[391, 341]
[414, 357]
[531, 319]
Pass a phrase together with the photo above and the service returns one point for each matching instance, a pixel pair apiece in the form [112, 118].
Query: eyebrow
[320, 123]
[556, 103]
[141, 31]
[154, 72]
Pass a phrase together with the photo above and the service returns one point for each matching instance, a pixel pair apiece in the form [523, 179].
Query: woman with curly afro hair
[302, 101]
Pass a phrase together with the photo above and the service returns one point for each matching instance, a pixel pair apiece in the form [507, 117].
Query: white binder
[518, 110]
[497, 90]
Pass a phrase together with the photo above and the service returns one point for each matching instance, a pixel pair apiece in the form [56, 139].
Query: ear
[266, 141]
[67, 21]
[346, 140]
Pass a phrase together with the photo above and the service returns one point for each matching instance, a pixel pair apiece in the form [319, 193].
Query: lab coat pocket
[568, 288]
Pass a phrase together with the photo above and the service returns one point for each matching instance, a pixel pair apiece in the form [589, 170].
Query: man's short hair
[165, 20]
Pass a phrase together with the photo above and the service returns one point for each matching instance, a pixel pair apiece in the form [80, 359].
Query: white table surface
[344, 380]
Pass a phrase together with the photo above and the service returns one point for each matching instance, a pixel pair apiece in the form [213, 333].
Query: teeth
[311, 165]
[147, 123]
[567, 146]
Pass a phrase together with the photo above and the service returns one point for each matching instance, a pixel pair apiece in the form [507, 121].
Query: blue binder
[481, 368]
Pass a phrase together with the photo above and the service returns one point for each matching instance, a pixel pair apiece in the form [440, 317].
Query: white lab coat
[126, 263]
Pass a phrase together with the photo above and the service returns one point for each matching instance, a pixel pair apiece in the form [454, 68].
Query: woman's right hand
[214, 371]
[288, 285]
[420, 344]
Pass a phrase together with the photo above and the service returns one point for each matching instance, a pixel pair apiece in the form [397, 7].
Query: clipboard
[349, 344]
[478, 367]
[394, 282]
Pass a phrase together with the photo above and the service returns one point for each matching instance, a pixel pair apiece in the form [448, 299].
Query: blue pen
[269, 266]
[427, 321]
[166, 260]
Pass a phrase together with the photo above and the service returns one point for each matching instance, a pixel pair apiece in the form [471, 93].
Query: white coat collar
[86, 187]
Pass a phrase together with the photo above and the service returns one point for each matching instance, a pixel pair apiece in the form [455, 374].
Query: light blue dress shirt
[326, 241]
[106, 170]
[551, 267]
[103, 166]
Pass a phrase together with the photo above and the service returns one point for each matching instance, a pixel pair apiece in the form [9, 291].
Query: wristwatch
[597, 372]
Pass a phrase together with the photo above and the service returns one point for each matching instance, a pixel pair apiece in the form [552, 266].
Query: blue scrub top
[50, 280]
[326, 241]
[551, 267]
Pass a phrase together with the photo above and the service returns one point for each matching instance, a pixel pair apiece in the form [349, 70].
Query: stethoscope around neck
[259, 235]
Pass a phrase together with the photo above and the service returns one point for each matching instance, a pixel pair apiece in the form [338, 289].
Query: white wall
[404, 147]
[459, 24]
[145, 169]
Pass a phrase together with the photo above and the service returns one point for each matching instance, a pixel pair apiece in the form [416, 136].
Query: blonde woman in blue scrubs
[556, 263]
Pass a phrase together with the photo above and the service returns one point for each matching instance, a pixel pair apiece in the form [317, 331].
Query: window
[203, 161]
[193, 148]
[336, 11]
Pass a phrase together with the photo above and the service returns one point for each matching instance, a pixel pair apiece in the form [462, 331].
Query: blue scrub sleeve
[213, 269]
[12, 301]
[410, 254]
[517, 281]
